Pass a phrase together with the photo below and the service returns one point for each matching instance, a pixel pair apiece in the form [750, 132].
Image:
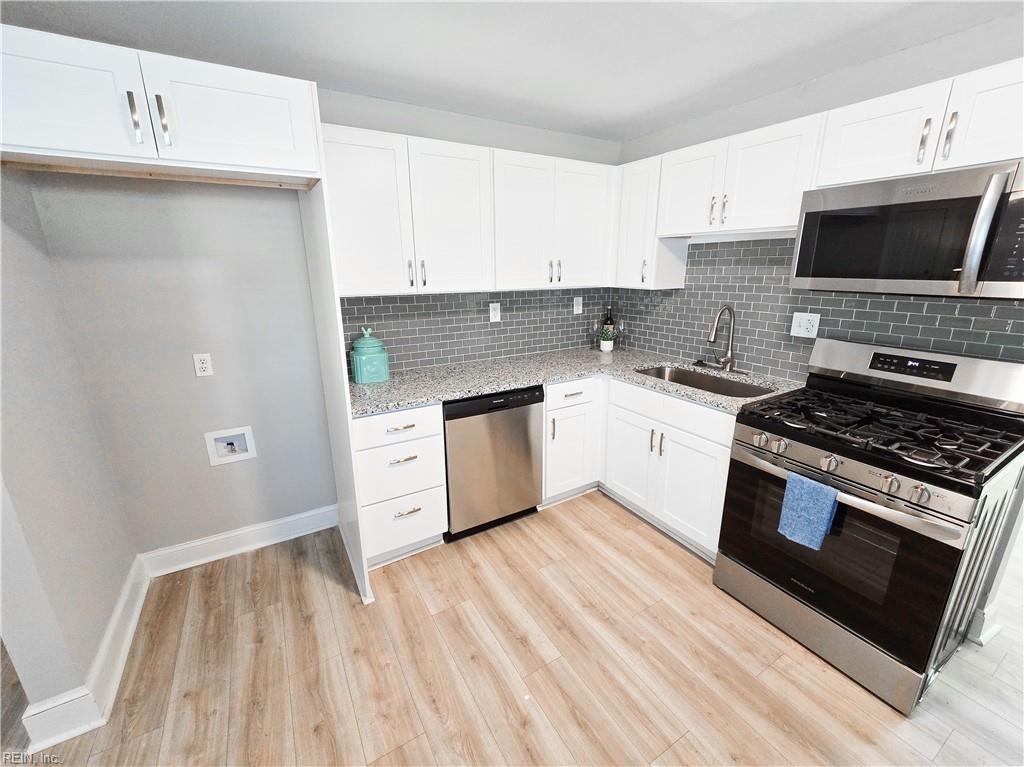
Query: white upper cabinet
[638, 213]
[893, 135]
[985, 118]
[370, 210]
[691, 189]
[524, 205]
[67, 96]
[452, 205]
[584, 223]
[210, 114]
[766, 174]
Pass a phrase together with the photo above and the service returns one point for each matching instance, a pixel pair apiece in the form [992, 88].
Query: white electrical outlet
[577, 305]
[495, 312]
[805, 325]
[203, 364]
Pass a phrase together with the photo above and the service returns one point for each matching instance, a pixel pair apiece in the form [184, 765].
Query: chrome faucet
[726, 362]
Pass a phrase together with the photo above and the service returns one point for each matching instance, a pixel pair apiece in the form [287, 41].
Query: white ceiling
[613, 71]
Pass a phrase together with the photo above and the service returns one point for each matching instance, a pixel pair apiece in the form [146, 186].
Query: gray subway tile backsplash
[753, 276]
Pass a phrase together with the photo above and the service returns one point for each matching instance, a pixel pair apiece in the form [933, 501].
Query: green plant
[608, 334]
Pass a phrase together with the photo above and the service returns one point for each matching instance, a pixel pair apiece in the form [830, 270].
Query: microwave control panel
[1005, 261]
[913, 366]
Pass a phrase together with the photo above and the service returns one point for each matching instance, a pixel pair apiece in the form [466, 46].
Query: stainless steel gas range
[926, 451]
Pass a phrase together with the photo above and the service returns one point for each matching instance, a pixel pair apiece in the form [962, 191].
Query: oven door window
[882, 581]
[909, 241]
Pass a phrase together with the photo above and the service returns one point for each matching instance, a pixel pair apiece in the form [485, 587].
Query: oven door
[883, 573]
[926, 235]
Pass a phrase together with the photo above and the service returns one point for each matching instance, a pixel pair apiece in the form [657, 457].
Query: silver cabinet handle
[551, 271]
[409, 513]
[406, 427]
[925, 131]
[652, 440]
[725, 201]
[559, 270]
[552, 429]
[573, 394]
[403, 460]
[412, 279]
[162, 113]
[979, 231]
[711, 212]
[423, 271]
[661, 445]
[133, 112]
[643, 271]
[950, 129]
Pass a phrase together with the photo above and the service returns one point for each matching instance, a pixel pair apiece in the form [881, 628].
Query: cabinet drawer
[404, 521]
[400, 426]
[395, 470]
[573, 392]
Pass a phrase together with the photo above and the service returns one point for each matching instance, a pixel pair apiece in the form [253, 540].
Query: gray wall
[442, 329]
[972, 48]
[151, 272]
[55, 465]
[379, 114]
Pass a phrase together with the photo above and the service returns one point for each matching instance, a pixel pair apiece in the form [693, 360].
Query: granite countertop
[428, 386]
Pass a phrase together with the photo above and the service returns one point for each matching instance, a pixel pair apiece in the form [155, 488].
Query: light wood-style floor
[579, 635]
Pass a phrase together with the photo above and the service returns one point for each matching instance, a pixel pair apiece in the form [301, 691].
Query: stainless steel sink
[713, 384]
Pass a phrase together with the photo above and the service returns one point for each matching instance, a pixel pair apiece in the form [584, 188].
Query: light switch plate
[495, 312]
[577, 305]
[203, 363]
[805, 325]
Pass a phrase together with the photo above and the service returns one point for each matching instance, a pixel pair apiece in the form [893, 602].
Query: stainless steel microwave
[957, 233]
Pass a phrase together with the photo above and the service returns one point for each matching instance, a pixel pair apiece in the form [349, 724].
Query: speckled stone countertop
[427, 386]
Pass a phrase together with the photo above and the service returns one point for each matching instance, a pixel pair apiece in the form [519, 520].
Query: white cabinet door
[524, 205]
[453, 215]
[766, 174]
[638, 213]
[985, 117]
[583, 211]
[214, 115]
[893, 135]
[629, 455]
[690, 485]
[66, 95]
[573, 436]
[690, 201]
[370, 210]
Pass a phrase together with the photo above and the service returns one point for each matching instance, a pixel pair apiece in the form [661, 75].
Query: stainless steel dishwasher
[494, 447]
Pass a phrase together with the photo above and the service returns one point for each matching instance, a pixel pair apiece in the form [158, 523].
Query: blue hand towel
[807, 511]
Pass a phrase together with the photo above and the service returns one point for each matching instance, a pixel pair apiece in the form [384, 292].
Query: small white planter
[607, 346]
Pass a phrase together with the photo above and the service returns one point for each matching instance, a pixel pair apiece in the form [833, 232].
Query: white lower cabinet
[390, 526]
[629, 456]
[573, 453]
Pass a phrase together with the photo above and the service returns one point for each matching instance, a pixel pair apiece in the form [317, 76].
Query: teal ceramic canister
[369, 359]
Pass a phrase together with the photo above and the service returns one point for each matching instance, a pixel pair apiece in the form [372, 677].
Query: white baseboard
[54, 720]
[181, 556]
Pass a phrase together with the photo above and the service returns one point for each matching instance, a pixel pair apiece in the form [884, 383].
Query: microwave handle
[944, 532]
[979, 232]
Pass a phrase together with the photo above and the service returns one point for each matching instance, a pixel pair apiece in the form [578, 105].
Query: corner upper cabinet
[643, 260]
[524, 206]
[893, 135]
[210, 114]
[690, 201]
[584, 223]
[453, 223]
[69, 97]
[985, 117]
[366, 174]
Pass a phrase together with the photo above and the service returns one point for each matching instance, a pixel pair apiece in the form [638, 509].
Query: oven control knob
[890, 483]
[828, 462]
[920, 494]
[761, 439]
[778, 445]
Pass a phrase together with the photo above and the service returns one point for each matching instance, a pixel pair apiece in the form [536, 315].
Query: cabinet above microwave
[958, 233]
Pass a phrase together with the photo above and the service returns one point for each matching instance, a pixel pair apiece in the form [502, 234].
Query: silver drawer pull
[133, 113]
[412, 280]
[725, 201]
[926, 129]
[574, 394]
[409, 513]
[552, 429]
[408, 458]
[392, 429]
[162, 114]
[652, 440]
[711, 212]
[948, 144]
